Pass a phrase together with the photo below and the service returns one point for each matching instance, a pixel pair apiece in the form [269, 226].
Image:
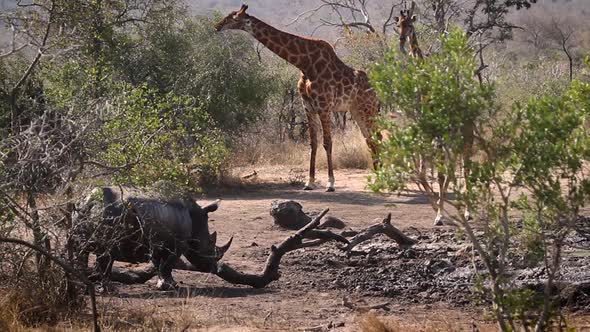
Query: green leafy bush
[160, 137]
[439, 99]
[220, 70]
[530, 162]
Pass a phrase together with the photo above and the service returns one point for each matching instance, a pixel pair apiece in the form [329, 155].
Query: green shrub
[187, 57]
[540, 147]
[160, 137]
[438, 98]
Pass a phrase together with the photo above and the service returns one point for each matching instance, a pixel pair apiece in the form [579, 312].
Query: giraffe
[325, 85]
[405, 23]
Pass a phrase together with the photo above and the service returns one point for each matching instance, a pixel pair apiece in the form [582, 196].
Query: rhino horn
[223, 249]
[212, 207]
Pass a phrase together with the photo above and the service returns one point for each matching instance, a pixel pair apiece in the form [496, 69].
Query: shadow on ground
[190, 291]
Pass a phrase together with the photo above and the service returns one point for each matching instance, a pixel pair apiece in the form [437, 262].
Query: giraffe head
[235, 20]
[405, 23]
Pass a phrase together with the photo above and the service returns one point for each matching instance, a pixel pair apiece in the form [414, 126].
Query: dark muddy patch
[438, 269]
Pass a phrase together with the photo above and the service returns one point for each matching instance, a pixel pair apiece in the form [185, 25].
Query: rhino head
[203, 250]
[212, 249]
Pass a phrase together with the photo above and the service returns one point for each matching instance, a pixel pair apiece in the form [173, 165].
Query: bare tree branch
[349, 14]
[40, 51]
[310, 11]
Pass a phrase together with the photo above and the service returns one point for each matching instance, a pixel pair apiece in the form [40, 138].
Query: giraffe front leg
[327, 132]
[313, 143]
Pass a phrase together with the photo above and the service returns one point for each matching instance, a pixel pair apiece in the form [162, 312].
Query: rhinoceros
[127, 225]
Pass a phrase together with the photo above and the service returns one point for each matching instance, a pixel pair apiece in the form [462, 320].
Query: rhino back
[167, 220]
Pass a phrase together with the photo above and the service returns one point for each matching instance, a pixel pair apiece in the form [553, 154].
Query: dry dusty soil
[427, 287]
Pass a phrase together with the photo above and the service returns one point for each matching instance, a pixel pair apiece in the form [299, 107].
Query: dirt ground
[424, 289]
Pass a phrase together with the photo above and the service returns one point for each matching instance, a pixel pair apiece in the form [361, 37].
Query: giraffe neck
[294, 49]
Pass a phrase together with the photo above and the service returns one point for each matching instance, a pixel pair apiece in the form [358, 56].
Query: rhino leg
[103, 267]
[81, 260]
[102, 272]
[165, 260]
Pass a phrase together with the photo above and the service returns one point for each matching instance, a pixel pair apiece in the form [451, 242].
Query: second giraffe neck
[415, 50]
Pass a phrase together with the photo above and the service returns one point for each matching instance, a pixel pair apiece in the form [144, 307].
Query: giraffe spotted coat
[326, 84]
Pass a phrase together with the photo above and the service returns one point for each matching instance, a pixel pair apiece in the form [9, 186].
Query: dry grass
[119, 315]
[372, 323]
[349, 150]
[28, 301]
[25, 311]
[439, 322]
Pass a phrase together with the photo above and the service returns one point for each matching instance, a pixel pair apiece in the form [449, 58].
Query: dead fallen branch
[250, 175]
[271, 269]
[324, 235]
[324, 327]
[384, 227]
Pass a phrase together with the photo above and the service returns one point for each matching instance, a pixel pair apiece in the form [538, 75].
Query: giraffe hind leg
[327, 133]
[313, 143]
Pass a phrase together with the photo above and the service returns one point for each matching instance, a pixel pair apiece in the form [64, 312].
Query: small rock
[289, 214]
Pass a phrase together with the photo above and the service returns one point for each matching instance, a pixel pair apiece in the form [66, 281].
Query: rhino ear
[212, 207]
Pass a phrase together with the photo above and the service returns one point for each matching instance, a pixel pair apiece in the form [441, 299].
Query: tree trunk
[40, 239]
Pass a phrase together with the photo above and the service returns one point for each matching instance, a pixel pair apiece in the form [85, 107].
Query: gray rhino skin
[123, 224]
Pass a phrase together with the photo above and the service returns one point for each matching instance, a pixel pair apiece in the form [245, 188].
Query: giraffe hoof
[330, 189]
[439, 221]
[308, 188]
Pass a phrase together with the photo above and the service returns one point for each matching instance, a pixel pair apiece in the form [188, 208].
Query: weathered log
[384, 227]
[364, 308]
[289, 214]
[133, 276]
